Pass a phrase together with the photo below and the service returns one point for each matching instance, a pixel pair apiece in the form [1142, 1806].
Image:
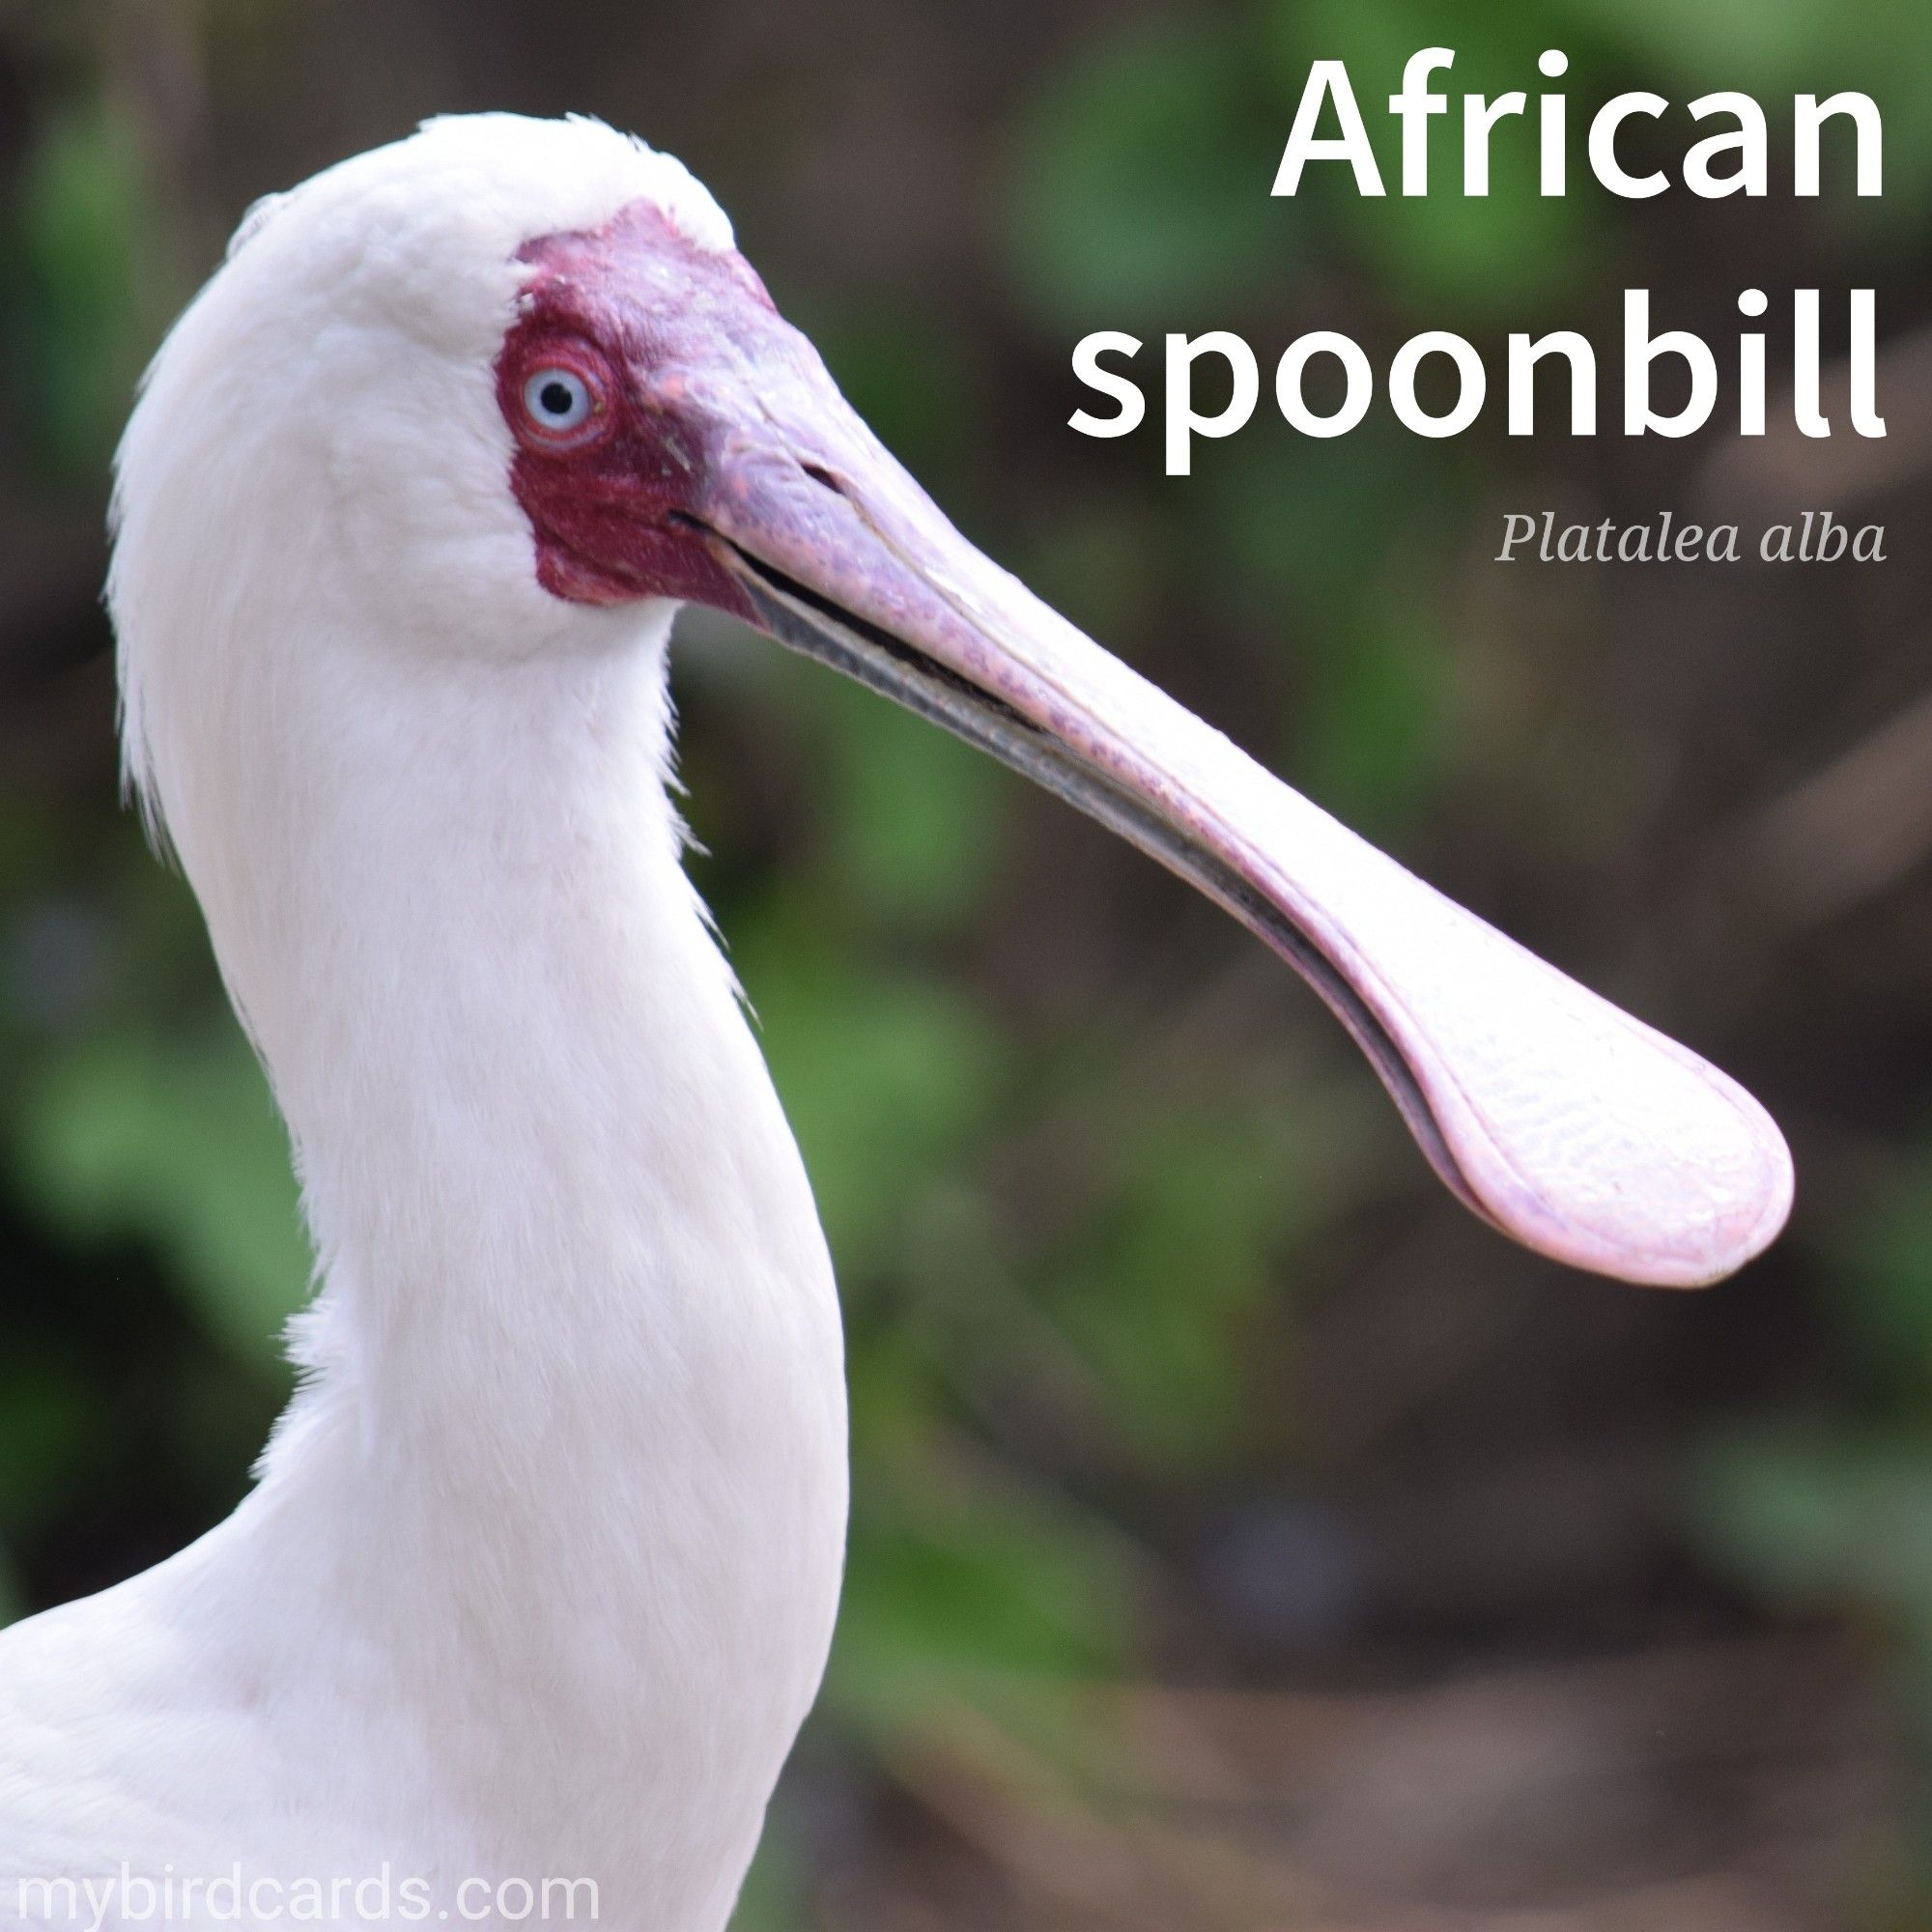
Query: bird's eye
[558, 402]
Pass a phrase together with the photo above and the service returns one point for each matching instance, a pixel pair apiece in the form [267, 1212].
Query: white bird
[539, 1575]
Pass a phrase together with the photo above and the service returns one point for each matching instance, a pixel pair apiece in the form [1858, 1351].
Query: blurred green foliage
[1833, 1511]
[76, 324]
[171, 1140]
[1132, 188]
[1084, 1226]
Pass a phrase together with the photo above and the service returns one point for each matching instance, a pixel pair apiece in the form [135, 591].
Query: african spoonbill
[540, 1572]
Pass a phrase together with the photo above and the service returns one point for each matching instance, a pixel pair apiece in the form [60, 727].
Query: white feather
[540, 1572]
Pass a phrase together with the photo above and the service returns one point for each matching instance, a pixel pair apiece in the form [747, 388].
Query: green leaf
[1885, 1279]
[46, 1436]
[906, 373]
[78, 323]
[13, 1597]
[1159, 1288]
[1479, 257]
[883, 1076]
[773, 1896]
[1320, 522]
[1379, 729]
[1781, 47]
[914, 816]
[1819, 1519]
[174, 1143]
[1766, 44]
[1140, 186]
[959, 1578]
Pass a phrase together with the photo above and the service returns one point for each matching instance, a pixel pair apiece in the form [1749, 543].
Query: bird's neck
[573, 1453]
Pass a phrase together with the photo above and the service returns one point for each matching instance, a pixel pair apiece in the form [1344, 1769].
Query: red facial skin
[634, 308]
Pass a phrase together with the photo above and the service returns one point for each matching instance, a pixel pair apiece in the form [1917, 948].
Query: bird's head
[500, 387]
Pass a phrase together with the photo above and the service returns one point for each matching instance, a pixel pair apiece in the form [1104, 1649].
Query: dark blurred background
[1244, 1537]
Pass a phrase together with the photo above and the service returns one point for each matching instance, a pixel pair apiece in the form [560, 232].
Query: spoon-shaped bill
[1563, 1121]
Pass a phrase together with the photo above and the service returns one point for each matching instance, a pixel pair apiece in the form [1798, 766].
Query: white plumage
[540, 1574]
[568, 1478]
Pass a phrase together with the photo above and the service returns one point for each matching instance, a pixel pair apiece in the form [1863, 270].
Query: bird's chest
[630, 1574]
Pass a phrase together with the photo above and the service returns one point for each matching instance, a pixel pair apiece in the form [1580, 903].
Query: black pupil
[555, 399]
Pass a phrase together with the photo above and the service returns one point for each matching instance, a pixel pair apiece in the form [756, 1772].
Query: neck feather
[572, 1451]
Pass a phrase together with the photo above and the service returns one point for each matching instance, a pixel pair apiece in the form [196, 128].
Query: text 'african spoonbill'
[540, 1572]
